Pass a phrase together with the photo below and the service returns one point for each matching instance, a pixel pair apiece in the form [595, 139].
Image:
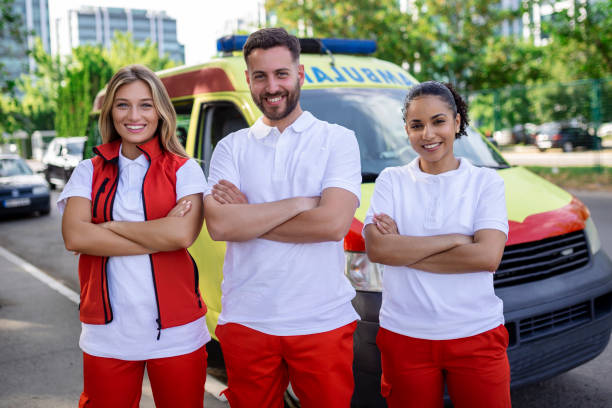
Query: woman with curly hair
[439, 225]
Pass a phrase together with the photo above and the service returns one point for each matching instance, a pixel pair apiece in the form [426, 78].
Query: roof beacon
[231, 43]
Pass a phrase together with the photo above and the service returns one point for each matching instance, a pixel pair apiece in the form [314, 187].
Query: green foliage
[509, 80]
[60, 94]
[452, 41]
[584, 37]
[124, 51]
[81, 78]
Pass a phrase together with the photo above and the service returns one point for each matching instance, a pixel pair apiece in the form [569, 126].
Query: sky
[199, 22]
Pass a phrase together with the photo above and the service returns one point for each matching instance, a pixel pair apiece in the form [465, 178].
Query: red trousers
[259, 367]
[176, 381]
[475, 368]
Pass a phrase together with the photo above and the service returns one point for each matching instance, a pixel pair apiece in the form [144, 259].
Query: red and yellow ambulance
[554, 279]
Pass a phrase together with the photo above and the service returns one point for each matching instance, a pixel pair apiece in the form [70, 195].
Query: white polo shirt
[430, 305]
[132, 334]
[285, 288]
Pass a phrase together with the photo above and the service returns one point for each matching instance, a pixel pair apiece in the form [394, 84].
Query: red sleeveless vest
[175, 273]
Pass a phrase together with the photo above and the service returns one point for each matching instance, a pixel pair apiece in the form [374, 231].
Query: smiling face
[431, 126]
[275, 80]
[134, 116]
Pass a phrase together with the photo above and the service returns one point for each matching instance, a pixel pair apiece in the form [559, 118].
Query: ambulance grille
[559, 320]
[542, 259]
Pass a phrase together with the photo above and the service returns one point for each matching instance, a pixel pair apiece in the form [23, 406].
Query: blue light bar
[349, 46]
[231, 43]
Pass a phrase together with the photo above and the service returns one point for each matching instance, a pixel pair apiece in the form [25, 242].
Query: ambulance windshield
[376, 118]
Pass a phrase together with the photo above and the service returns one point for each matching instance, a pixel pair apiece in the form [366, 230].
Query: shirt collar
[259, 130]
[140, 160]
[464, 165]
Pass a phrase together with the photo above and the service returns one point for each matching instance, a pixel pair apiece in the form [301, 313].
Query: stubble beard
[293, 98]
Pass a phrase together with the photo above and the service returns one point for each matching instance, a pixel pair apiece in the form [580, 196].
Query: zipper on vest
[104, 292]
[113, 192]
[98, 193]
[144, 208]
[197, 280]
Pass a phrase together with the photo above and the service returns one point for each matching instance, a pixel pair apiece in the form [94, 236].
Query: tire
[568, 147]
[51, 185]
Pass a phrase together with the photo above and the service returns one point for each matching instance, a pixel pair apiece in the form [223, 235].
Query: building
[97, 25]
[13, 53]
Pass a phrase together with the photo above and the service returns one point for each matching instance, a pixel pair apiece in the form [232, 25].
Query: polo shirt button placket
[280, 155]
[433, 210]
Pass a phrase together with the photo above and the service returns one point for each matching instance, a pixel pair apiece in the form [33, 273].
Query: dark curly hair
[448, 94]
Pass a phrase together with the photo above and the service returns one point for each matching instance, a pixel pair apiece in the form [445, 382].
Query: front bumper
[555, 324]
[41, 203]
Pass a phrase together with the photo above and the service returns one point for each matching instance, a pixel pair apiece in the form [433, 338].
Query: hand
[227, 193]
[385, 224]
[180, 209]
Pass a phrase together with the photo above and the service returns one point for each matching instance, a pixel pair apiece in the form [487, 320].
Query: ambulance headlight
[592, 235]
[363, 274]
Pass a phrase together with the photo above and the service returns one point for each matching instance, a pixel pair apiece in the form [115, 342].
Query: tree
[581, 34]
[81, 78]
[125, 51]
[454, 41]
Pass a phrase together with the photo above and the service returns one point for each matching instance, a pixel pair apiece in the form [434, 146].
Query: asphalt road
[40, 362]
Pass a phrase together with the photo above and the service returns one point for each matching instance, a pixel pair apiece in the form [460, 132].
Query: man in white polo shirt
[283, 194]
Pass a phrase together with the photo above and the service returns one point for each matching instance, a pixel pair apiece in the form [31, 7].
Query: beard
[292, 100]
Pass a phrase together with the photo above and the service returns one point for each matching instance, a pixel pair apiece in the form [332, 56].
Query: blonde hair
[166, 127]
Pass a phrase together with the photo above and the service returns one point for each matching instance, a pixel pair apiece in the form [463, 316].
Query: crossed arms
[450, 253]
[229, 216]
[117, 238]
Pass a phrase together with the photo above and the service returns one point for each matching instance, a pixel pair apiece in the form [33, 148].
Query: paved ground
[40, 364]
[531, 156]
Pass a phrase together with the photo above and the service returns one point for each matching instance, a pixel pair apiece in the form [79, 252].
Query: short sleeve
[79, 184]
[491, 209]
[344, 166]
[382, 198]
[222, 165]
[190, 179]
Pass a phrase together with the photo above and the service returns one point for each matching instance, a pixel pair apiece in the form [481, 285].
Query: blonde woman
[130, 212]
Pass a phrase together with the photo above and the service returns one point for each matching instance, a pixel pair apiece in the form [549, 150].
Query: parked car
[62, 156]
[503, 137]
[605, 130]
[21, 190]
[565, 136]
[524, 133]
[554, 278]
[40, 142]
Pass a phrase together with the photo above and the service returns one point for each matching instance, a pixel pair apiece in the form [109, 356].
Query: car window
[75, 148]
[183, 117]
[13, 167]
[375, 117]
